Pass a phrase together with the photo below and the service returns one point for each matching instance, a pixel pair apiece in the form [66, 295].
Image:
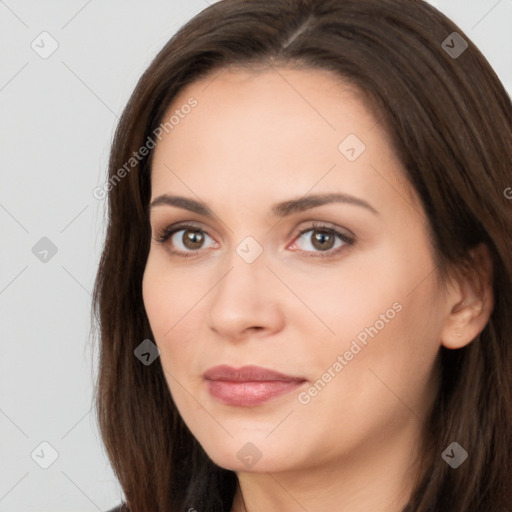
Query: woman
[305, 292]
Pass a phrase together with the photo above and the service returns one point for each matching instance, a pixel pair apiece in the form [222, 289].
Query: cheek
[174, 301]
[385, 311]
[168, 296]
[157, 297]
[395, 344]
[379, 380]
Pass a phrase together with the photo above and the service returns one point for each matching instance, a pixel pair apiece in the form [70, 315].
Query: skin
[255, 138]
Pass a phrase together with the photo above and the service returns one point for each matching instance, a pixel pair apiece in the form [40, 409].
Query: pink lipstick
[249, 385]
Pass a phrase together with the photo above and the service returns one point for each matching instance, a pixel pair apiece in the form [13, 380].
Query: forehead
[320, 97]
[275, 126]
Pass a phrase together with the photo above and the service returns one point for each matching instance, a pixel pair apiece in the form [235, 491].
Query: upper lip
[249, 373]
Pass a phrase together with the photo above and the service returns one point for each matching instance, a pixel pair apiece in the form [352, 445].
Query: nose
[246, 300]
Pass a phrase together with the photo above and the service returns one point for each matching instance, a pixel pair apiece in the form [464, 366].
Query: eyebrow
[282, 209]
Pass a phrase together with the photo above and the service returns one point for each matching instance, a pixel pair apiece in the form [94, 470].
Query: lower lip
[247, 394]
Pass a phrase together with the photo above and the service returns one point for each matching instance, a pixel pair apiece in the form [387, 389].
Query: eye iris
[320, 238]
[192, 239]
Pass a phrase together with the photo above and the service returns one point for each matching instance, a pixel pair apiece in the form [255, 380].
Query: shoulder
[119, 508]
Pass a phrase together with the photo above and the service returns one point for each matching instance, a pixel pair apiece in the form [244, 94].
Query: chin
[250, 457]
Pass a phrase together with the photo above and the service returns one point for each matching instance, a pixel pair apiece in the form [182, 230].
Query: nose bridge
[247, 264]
[241, 299]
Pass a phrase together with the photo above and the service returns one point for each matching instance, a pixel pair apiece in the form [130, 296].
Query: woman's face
[310, 258]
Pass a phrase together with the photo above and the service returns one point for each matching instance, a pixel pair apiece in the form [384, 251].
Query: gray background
[58, 117]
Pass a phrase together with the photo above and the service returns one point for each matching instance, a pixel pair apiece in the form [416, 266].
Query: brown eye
[322, 240]
[192, 239]
[184, 240]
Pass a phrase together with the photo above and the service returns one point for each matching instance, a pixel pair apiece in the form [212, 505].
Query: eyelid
[328, 226]
[168, 228]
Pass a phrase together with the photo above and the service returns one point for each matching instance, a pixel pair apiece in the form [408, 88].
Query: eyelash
[164, 234]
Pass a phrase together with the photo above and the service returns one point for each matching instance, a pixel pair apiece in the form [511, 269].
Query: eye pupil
[320, 238]
[192, 239]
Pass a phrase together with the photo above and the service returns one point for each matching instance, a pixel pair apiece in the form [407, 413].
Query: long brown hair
[450, 122]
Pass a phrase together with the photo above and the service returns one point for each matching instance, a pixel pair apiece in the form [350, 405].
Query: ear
[470, 299]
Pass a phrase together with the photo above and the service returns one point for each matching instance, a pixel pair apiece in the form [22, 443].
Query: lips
[247, 374]
[249, 385]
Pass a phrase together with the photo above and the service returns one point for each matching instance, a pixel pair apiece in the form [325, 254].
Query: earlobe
[471, 301]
